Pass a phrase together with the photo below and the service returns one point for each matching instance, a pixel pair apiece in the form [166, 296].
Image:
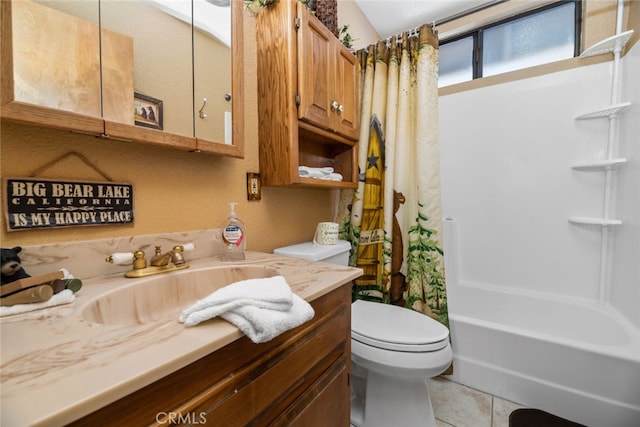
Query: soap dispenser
[233, 237]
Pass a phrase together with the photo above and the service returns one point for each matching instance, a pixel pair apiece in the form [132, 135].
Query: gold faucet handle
[138, 260]
[187, 247]
[178, 250]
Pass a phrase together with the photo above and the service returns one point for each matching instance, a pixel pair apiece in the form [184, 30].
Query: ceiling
[391, 17]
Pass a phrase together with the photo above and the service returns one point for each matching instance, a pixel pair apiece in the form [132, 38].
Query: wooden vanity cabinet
[300, 378]
[308, 103]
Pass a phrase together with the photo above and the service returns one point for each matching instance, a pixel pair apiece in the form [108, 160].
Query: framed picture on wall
[147, 111]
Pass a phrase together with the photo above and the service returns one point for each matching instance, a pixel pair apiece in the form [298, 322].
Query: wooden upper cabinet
[308, 101]
[327, 78]
[76, 66]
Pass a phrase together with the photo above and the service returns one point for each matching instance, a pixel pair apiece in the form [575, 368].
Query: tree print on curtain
[394, 218]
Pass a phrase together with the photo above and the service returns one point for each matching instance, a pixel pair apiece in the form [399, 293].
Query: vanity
[117, 355]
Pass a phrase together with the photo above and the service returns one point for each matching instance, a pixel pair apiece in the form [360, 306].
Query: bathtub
[576, 359]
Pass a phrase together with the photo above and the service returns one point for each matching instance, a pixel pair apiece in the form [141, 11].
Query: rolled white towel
[271, 293]
[64, 297]
[309, 172]
[333, 177]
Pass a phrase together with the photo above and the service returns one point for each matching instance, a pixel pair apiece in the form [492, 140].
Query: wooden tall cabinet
[307, 98]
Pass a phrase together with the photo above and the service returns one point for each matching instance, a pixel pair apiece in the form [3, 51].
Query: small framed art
[147, 111]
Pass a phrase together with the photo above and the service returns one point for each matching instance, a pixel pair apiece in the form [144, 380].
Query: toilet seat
[396, 328]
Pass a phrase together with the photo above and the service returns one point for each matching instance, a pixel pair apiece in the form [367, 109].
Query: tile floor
[456, 405]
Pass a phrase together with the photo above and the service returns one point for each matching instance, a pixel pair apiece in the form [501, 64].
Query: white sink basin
[162, 297]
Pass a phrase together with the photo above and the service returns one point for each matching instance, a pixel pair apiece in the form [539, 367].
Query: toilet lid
[396, 328]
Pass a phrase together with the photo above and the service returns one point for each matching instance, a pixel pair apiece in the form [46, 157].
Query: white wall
[626, 265]
[507, 152]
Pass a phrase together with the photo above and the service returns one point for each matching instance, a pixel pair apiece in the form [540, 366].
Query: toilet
[394, 351]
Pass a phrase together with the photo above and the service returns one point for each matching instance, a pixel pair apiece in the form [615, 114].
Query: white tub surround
[574, 358]
[544, 302]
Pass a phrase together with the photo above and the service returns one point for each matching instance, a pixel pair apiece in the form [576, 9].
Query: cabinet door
[51, 81]
[326, 403]
[347, 85]
[212, 71]
[162, 63]
[327, 78]
[316, 59]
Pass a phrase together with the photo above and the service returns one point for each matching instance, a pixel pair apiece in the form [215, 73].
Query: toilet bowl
[394, 351]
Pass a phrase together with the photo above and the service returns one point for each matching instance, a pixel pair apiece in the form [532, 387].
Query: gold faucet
[160, 259]
[159, 263]
[174, 256]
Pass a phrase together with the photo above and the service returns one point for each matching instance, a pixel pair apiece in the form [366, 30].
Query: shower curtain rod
[434, 24]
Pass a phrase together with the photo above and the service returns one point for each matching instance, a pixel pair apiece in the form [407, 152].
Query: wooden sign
[371, 237]
[42, 203]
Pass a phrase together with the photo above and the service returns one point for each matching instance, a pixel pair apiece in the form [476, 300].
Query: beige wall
[360, 28]
[173, 190]
[177, 191]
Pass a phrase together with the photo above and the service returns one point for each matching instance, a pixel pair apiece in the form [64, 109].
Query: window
[539, 37]
[456, 62]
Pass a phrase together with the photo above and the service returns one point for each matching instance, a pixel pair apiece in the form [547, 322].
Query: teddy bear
[11, 268]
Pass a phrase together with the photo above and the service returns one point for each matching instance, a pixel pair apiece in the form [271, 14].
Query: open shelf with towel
[307, 100]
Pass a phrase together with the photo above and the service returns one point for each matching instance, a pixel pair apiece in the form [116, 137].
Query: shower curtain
[394, 218]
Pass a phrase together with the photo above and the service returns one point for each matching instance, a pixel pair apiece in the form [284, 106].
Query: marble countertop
[56, 366]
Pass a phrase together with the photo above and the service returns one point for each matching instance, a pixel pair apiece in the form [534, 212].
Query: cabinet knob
[334, 105]
[340, 108]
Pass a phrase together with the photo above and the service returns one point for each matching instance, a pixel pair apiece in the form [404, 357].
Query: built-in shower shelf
[599, 165]
[608, 45]
[606, 112]
[594, 221]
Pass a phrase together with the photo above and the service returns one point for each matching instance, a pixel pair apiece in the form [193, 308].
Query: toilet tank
[333, 254]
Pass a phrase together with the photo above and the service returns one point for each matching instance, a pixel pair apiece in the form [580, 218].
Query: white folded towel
[261, 308]
[64, 297]
[273, 293]
[308, 171]
[319, 173]
[262, 325]
[333, 177]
